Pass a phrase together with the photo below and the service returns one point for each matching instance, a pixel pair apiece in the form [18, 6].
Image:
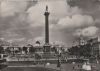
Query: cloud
[16, 40]
[75, 21]
[2, 38]
[39, 38]
[58, 9]
[20, 20]
[90, 31]
[10, 8]
[62, 18]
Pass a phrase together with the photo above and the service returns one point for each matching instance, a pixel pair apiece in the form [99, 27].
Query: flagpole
[59, 61]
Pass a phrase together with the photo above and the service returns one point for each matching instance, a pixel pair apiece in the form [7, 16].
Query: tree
[8, 50]
[32, 49]
[82, 50]
[38, 42]
[1, 49]
[25, 49]
[74, 50]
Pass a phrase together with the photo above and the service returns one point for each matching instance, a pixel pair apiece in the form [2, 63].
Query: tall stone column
[46, 26]
[47, 45]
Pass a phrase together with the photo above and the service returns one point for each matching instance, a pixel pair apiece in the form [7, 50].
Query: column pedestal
[47, 48]
[47, 51]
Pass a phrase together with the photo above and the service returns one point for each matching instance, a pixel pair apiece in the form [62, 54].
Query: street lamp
[59, 61]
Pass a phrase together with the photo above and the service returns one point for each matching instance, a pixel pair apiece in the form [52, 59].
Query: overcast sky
[22, 21]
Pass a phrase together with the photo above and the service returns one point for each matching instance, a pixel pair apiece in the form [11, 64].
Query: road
[27, 69]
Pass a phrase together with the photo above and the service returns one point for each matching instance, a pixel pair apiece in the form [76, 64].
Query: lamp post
[59, 61]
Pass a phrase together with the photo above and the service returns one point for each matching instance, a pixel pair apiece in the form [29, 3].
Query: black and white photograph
[49, 35]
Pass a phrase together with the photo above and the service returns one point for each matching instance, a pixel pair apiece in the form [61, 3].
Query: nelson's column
[46, 45]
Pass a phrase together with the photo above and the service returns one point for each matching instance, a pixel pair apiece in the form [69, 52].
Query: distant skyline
[23, 21]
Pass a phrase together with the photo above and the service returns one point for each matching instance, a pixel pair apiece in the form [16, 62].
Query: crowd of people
[86, 66]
